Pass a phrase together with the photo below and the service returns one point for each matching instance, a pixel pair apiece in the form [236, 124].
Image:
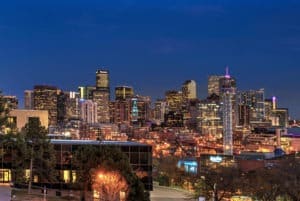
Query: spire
[227, 72]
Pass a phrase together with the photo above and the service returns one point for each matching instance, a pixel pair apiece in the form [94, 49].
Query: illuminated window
[5, 175]
[66, 176]
[74, 176]
[35, 179]
[27, 174]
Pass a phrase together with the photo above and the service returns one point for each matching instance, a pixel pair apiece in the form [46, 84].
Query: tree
[218, 183]
[168, 171]
[262, 184]
[40, 152]
[90, 159]
[290, 177]
[3, 112]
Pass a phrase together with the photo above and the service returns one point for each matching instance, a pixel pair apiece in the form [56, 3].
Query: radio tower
[227, 94]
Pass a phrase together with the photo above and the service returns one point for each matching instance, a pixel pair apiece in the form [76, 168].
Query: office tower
[253, 100]
[102, 80]
[269, 107]
[214, 86]
[123, 92]
[216, 83]
[140, 109]
[46, 98]
[189, 90]
[28, 99]
[120, 111]
[174, 100]
[243, 115]
[86, 92]
[67, 107]
[101, 95]
[210, 121]
[276, 116]
[88, 111]
[228, 92]
[160, 110]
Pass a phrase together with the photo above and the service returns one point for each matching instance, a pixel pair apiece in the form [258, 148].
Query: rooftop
[96, 142]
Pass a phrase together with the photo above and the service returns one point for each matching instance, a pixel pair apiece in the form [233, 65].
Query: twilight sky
[152, 45]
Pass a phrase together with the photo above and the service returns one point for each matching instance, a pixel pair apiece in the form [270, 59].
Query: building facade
[88, 111]
[122, 93]
[21, 117]
[101, 95]
[189, 89]
[253, 100]
[46, 98]
[86, 92]
[28, 100]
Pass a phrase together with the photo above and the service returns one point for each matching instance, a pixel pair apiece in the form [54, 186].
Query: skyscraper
[140, 109]
[160, 110]
[28, 99]
[102, 80]
[86, 92]
[123, 92]
[46, 98]
[228, 91]
[189, 90]
[174, 100]
[254, 100]
[88, 111]
[101, 95]
[216, 83]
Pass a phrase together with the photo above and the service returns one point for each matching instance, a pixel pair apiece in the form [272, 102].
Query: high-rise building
[101, 95]
[174, 100]
[228, 92]
[140, 109]
[28, 99]
[254, 100]
[216, 83]
[46, 98]
[160, 110]
[68, 107]
[214, 86]
[189, 90]
[86, 92]
[88, 111]
[210, 118]
[102, 80]
[120, 111]
[123, 92]
[276, 116]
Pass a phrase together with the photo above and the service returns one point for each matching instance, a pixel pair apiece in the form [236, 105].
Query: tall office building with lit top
[228, 91]
[123, 92]
[101, 95]
[189, 90]
[46, 98]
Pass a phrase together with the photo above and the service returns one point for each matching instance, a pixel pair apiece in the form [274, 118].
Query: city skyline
[152, 46]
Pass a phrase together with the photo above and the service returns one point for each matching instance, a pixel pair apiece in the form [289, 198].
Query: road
[160, 193]
[5, 192]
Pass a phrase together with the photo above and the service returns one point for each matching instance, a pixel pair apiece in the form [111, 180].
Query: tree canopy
[90, 159]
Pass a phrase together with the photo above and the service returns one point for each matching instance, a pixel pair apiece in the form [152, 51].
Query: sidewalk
[5, 190]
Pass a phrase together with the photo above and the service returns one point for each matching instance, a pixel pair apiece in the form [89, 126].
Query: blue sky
[152, 45]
